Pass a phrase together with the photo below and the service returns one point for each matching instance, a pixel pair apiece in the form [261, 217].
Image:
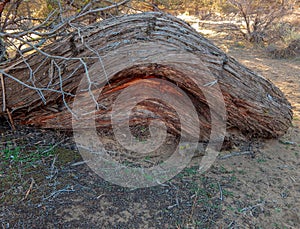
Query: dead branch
[254, 105]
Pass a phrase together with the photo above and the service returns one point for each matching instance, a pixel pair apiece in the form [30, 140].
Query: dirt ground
[256, 190]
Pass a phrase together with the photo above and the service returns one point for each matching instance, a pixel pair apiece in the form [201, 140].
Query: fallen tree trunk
[132, 48]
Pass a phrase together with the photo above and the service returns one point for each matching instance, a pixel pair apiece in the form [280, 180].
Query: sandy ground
[271, 182]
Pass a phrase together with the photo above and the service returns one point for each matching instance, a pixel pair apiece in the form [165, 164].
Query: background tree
[259, 16]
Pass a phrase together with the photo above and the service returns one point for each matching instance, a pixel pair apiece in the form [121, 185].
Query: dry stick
[235, 154]
[4, 108]
[101, 195]
[252, 207]
[10, 119]
[30, 188]
[232, 222]
[55, 193]
[3, 93]
[33, 47]
[221, 192]
[193, 207]
[78, 163]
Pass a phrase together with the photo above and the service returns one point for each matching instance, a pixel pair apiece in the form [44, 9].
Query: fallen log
[129, 50]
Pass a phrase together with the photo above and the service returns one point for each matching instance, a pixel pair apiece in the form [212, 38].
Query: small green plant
[18, 155]
[227, 193]
[261, 160]
[233, 178]
[230, 208]
[224, 170]
[149, 177]
[242, 172]
[12, 154]
[128, 163]
[205, 194]
[279, 226]
[191, 171]
[214, 186]
[278, 210]
[147, 158]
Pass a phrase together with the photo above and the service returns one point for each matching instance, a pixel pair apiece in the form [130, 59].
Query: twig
[10, 119]
[54, 146]
[56, 193]
[176, 198]
[41, 42]
[210, 84]
[235, 154]
[171, 206]
[287, 142]
[101, 195]
[53, 172]
[82, 14]
[31, 87]
[3, 93]
[78, 163]
[29, 189]
[293, 179]
[53, 164]
[231, 224]
[252, 207]
[193, 207]
[56, 29]
[221, 192]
